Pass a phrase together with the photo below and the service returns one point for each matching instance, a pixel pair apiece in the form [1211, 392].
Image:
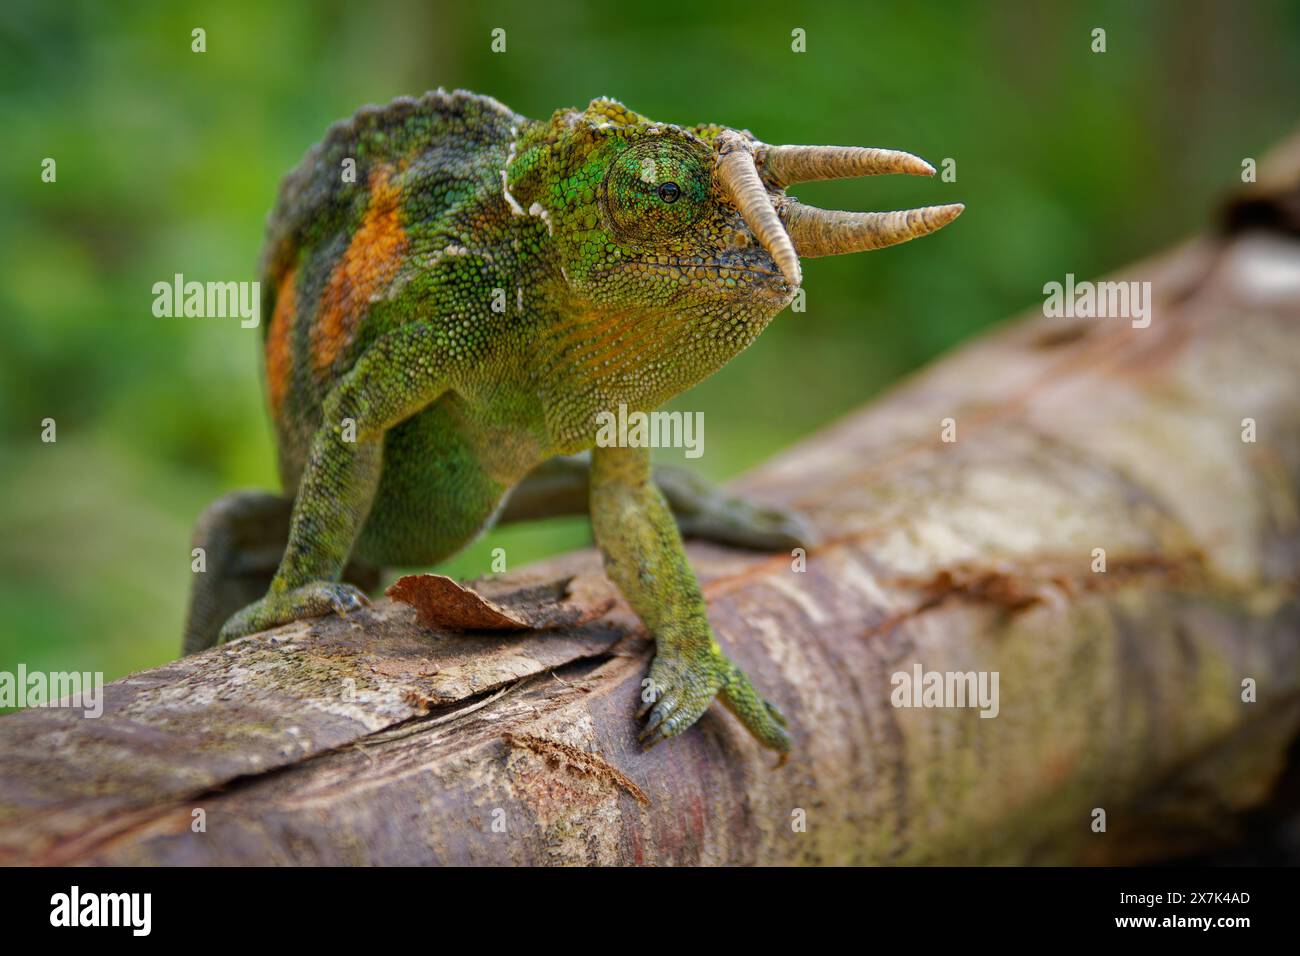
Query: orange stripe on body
[366, 267]
[584, 329]
[279, 341]
[623, 356]
[598, 338]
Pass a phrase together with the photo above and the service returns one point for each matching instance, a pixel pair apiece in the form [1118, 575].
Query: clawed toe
[347, 598]
[683, 686]
[282, 607]
[661, 722]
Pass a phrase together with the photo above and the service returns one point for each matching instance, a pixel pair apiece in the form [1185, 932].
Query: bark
[377, 739]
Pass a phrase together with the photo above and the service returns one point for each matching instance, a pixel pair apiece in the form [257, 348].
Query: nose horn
[738, 174]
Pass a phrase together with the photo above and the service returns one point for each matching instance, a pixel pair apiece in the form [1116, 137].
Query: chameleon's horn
[786, 165]
[739, 178]
[826, 232]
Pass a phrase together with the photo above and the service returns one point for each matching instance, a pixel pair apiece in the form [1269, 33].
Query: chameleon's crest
[603, 110]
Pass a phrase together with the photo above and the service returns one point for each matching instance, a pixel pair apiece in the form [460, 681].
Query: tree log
[375, 739]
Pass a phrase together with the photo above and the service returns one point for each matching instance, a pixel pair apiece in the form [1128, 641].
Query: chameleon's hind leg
[243, 536]
[701, 509]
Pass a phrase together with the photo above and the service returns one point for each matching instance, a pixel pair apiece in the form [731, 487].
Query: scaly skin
[620, 272]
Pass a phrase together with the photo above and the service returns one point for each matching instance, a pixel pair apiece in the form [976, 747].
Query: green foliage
[168, 161]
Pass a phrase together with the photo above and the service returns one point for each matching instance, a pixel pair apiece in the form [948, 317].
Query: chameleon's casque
[456, 292]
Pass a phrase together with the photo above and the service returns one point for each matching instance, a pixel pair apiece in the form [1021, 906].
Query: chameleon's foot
[683, 685]
[280, 607]
[704, 510]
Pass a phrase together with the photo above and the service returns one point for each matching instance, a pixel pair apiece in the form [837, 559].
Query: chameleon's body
[455, 315]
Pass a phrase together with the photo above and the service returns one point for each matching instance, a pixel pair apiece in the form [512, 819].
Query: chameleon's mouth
[788, 229]
[716, 271]
[701, 267]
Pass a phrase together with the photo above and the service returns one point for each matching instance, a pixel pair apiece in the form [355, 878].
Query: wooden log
[374, 739]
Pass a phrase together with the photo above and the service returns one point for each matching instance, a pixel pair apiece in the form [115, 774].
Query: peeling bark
[377, 739]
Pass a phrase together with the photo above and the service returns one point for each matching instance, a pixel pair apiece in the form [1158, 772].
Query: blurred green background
[168, 161]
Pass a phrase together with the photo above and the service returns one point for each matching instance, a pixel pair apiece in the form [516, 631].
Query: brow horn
[825, 232]
[787, 165]
[739, 177]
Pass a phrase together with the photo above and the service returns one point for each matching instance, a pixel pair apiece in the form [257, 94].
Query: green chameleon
[455, 292]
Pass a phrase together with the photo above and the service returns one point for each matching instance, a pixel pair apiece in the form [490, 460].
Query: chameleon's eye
[656, 188]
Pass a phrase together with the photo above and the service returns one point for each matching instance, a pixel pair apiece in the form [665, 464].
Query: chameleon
[456, 293]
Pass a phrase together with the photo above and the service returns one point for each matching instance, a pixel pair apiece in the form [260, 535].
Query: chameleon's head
[695, 222]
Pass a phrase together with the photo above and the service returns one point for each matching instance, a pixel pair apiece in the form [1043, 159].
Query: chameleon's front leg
[644, 556]
[399, 375]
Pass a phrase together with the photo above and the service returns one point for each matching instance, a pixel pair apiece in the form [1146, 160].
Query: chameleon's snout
[787, 229]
